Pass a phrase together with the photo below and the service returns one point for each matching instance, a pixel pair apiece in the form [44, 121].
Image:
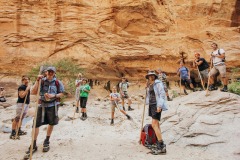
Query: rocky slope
[195, 127]
[114, 37]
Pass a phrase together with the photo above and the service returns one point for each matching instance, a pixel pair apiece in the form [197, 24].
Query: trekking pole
[35, 114]
[207, 93]
[200, 78]
[20, 120]
[143, 116]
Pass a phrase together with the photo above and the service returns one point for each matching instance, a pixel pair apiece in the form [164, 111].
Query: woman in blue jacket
[157, 103]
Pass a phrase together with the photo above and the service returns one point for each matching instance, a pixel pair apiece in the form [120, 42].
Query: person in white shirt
[218, 60]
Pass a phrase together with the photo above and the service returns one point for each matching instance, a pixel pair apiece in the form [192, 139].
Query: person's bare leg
[156, 128]
[49, 130]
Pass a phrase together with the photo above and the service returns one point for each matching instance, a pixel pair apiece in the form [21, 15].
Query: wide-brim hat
[151, 73]
[51, 69]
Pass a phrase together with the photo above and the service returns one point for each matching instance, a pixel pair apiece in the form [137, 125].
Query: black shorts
[186, 81]
[49, 116]
[153, 112]
[83, 102]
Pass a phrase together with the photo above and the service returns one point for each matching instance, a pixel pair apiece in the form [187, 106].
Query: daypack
[58, 88]
[148, 136]
[224, 59]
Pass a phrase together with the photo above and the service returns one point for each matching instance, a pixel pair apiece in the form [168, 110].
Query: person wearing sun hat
[156, 99]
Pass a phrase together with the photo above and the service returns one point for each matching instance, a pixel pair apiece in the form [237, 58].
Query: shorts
[183, 81]
[77, 92]
[220, 68]
[204, 74]
[125, 96]
[50, 116]
[115, 106]
[19, 111]
[152, 112]
[83, 102]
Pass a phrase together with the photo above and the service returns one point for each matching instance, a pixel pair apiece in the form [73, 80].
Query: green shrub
[234, 88]
[67, 72]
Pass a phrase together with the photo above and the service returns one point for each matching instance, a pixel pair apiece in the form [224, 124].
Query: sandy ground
[95, 139]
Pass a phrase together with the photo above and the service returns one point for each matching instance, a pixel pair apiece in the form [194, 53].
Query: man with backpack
[219, 66]
[155, 98]
[184, 74]
[123, 86]
[23, 92]
[51, 90]
[203, 66]
[162, 77]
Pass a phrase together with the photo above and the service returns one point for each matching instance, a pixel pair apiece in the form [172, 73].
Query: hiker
[23, 91]
[84, 91]
[115, 98]
[202, 66]
[78, 82]
[163, 78]
[218, 60]
[91, 83]
[157, 103]
[123, 86]
[108, 86]
[51, 90]
[184, 74]
[2, 94]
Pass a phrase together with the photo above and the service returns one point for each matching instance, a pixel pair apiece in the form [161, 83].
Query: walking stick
[143, 116]
[200, 78]
[207, 92]
[35, 114]
[77, 106]
[20, 120]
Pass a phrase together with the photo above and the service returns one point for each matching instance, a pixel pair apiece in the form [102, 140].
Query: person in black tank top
[23, 91]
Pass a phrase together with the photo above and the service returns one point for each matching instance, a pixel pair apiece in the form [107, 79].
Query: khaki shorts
[115, 106]
[204, 74]
[19, 111]
[220, 68]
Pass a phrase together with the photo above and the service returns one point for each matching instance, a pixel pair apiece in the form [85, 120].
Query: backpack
[57, 85]
[223, 60]
[148, 136]
[122, 83]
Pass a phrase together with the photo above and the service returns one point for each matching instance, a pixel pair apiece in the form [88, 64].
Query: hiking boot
[112, 122]
[21, 132]
[168, 98]
[151, 146]
[129, 117]
[27, 153]
[13, 136]
[185, 92]
[224, 89]
[124, 108]
[130, 109]
[161, 149]
[194, 90]
[46, 146]
[212, 88]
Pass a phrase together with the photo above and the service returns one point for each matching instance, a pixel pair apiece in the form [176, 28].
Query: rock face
[116, 37]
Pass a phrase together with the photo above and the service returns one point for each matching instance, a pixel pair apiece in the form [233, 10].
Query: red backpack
[148, 136]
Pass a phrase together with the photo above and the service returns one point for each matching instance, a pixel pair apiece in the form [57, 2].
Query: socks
[47, 138]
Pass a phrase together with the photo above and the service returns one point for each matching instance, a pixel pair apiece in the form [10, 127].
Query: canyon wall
[111, 38]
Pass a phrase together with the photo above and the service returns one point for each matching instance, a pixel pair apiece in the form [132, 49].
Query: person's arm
[34, 89]
[198, 63]
[178, 72]
[222, 54]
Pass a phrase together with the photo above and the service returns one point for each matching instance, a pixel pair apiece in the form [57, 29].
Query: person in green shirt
[84, 91]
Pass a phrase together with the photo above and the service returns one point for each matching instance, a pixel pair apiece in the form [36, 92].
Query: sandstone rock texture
[110, 38]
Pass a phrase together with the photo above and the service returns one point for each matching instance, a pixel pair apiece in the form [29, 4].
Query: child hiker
[115, 98]
[84, 91]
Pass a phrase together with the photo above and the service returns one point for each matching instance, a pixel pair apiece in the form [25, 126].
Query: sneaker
[112, 122]
[130, 109]
[46, 146]
[21, 132]
[224, 89]
[129, 117]
[27, 153]
[169, 99]
[185, 92]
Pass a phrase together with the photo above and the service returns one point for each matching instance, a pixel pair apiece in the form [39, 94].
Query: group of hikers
[50, 90]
